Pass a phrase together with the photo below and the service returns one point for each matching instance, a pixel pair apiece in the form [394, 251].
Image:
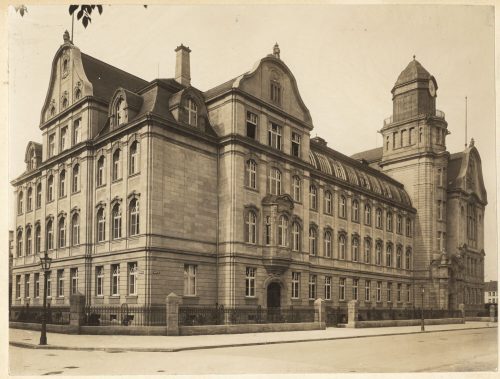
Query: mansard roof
[414, 71]
[356, 174]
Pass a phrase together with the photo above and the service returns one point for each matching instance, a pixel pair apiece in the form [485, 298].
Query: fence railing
[220, 315]
[335, 316]
[406, 314]
[33, 314]
[126, 315]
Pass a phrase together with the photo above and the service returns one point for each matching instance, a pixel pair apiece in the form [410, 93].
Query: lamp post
[422, 327]
[45, 262]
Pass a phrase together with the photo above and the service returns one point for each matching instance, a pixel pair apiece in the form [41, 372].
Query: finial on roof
[471, 144]
[276, 50]
[414, 56]
[66, 37]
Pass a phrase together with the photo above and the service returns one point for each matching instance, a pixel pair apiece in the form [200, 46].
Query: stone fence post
[77, 309]
[173, 302]
[492, 313]
[319, 313]
[461, 307]
[352, 313]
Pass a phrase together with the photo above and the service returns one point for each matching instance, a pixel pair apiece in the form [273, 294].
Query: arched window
[408, 227]
[117, 221]
[342, 246]
[378, 218]
[101, 225]
[368, 250]
[62, 232]
[76, 178]
[38, 203]
[62, 183]
[251, 174]
[29, 200]
[134, 158]
[368, 214]
[29, 241]
[389, 221]
[134, 217]
[50, 235]
[251, 227]
[38, 239]
[275, 181]
[355, 249]
[100, 171]
[295, 236]
[408, 259]
[120, 112]
[355, 210]
[328, 243]
[20, 243]
[283, 231]
[296, 190]
[20, 202]
[50, 188]
[192, 109]
[75, 230]
[116, 165]
[399, 224]
[328, 202]
[313, 243]
[342, 207]
[388, 256]
[399, 257]
[313, 197]
[378, 254]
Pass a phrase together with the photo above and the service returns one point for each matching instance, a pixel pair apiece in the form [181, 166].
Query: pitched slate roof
[372, 155]
[413, 71]
[106, 78]
[454, 166]
[221, 88]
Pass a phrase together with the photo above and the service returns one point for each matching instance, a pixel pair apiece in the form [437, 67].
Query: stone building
[491, 292]
[144, 188]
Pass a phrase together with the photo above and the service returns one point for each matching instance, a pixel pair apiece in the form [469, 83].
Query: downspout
[217, 231]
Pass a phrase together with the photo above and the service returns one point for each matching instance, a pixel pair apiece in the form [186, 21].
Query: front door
[273, 295]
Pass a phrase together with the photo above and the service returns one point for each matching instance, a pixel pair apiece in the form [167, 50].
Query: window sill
[251, 189]
[62, 197]
[134, 174]
[75, 192]
[116, 181]
[190, 296]
[131, 296]
[113, 296]
[103, 185]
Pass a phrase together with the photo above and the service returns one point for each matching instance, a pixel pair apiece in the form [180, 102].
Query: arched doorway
[273, 295]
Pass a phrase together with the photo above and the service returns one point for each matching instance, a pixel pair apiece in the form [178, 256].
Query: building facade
[140, 189]
[491, 292]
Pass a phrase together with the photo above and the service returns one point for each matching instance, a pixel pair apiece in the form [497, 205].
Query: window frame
[190, 282]
[250, 274]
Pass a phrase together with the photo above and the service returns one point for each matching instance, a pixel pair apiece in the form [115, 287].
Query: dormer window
[275, 92]
[192, 109]
[120, 112]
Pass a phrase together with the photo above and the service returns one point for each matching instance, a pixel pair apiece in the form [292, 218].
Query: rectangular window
[408, 293]
[52, 145]
[132, 278]
[18, 286]
[275, 92]
[64, 138]
[296, 144]
[252, 121]
[37, 285]
[115, 280]
[410, 136]
[389, 292]
[268, 230]
[250, 282]
[394, 140]
[49, 283]
[439, 210]
[403, 137]
[27, 285]
[312, 287]
[368, 285]
[379, 291]
[274, 136]
[399, 292]
[342, 289]
[74, 281]
[60, 283]
[355, 286]
[99, 281]
[190, 280]
[328, 287]
[77, 132]
[295, 285]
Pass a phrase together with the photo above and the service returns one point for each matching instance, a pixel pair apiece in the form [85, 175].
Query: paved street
[461, 350]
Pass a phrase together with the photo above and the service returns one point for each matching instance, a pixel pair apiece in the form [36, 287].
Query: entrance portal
[273, 295]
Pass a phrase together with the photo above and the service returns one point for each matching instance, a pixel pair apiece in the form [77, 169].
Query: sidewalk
[30, 339]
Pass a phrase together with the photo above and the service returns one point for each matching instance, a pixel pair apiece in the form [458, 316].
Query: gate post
[172, 311]
[77, 310]
[319, 313]
[352, 313]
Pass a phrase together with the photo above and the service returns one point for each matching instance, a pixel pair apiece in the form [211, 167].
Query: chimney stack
[182, 67]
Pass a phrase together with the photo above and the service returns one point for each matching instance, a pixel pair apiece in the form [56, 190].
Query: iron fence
[34, 314]
[220, 315]
[126, 315]
[405, 314]
[335, 316]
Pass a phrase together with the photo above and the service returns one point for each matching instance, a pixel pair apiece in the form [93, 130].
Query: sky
[345, 58]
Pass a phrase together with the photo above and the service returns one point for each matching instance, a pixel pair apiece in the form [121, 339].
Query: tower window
[274, 136]
[192, 113]
[295, 144]
[252, 121]
[275, 92]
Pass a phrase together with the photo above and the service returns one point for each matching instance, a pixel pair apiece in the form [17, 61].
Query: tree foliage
[22, 9]
[84, 12]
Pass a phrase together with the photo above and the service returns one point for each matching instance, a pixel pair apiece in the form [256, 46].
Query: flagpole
[72, 25]
[466, 122]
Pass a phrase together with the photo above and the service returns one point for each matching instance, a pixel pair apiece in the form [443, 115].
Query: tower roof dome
[414, 71]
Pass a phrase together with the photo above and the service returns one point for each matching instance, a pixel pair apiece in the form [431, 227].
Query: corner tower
[414, 153]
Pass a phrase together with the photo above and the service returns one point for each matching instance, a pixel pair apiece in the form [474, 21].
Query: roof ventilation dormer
[182, 66]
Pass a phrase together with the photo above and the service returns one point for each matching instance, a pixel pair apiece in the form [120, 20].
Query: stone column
[492, 313]
[173, 302]
[352, 313]
[76, 309]
[462, 310]
[319, 313]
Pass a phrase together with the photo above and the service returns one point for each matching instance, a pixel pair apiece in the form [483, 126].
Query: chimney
[182, 70]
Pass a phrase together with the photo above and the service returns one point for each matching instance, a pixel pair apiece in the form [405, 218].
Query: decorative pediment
[133, 194]
[284, 202]
[100, 204]
[74, 210]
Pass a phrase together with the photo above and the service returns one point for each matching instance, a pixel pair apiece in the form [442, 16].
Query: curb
[203, 347]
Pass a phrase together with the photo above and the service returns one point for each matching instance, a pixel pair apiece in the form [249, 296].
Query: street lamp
[45, 262]
[422, 327]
